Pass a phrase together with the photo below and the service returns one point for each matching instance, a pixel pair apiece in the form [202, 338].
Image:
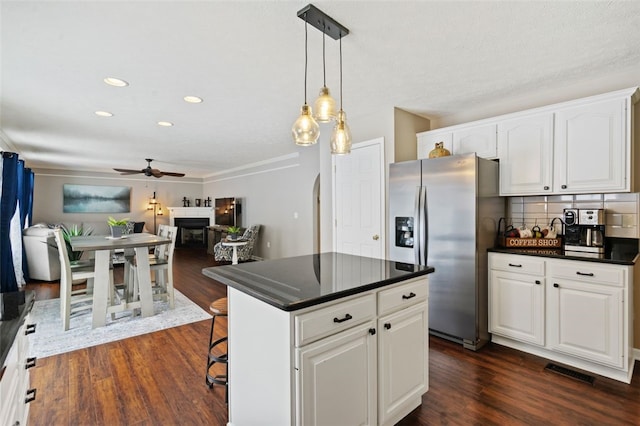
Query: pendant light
[341, 135]
[305, 130]
[325, 105]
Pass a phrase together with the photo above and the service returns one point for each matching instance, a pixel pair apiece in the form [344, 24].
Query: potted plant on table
[232, 232]
[74, 231]
[117, 226]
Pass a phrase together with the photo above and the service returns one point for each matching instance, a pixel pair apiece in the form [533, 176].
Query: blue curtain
[26, 202]
[8, 205]
[16, 197]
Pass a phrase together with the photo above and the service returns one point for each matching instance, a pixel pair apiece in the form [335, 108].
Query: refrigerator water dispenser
[404, 232]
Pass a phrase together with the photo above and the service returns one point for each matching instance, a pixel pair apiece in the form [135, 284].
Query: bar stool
[218, 308]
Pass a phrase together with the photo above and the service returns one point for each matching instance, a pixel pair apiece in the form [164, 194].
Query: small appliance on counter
[584, 230]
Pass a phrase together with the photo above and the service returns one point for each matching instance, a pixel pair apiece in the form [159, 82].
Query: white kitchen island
[329, 339]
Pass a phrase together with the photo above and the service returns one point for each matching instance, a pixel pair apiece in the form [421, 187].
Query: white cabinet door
[516, 306]
[427, 142]
[478, 139]
[403, 360]
[525, 149]
[586, 320]
[591, 148]
[336, 381]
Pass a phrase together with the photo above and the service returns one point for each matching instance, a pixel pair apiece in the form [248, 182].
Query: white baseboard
[636, 354]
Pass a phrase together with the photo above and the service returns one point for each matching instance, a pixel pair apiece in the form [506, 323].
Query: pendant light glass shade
[341, 136]
[305, 130]
[324, 107]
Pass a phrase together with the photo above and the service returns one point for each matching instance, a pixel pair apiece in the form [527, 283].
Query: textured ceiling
[440, 59]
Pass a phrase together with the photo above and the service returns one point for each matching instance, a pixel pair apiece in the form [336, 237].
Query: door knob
[376, 237]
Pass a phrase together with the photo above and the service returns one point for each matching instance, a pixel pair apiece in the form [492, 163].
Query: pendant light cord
[305, 58]
[324, 65]
[340, 71]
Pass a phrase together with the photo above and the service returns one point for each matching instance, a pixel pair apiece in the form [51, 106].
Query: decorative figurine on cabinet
[439, 151]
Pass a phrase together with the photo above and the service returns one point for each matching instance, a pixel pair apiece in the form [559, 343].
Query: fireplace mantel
[186, 212]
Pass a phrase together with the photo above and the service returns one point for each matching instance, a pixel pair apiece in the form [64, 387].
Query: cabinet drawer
[402, 296]
[323, 322]
[515, 263]
[588, 272]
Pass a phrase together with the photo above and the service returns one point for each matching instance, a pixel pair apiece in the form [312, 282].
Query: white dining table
[102, 246]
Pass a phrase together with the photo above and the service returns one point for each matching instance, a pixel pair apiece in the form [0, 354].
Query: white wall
[47, 197]
[273, 194]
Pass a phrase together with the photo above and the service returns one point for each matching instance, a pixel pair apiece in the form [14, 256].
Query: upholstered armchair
[244, 252]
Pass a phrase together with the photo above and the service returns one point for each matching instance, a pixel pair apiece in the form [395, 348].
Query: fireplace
[192, 223]
[192, 231]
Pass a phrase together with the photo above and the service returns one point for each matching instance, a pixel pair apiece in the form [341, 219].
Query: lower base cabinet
[15, 393]
[517, 306]
[403, 362]
[337, 379]
[574, 312]
[362, 360]
[587, 321]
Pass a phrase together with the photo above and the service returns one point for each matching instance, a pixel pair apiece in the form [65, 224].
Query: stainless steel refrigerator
[443, 212]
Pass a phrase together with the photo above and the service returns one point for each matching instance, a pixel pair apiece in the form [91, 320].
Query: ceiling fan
[148, 171]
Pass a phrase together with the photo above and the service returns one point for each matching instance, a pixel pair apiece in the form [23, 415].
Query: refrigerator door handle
[424, 226]
[417, 229]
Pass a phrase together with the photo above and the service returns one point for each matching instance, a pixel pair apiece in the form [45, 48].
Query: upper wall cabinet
[480, 139]
[593, 148]
[577, 147]
[525, 149]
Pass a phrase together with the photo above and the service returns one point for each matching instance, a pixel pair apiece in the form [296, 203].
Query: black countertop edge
[561, 254]
[294, 306]
[9, 327]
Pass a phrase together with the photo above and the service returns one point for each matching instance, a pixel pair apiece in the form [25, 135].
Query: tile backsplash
[622, 211]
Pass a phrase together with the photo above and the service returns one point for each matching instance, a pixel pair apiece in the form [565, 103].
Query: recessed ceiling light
[104, 113]
[192, 99]
[112, 81]
[165, 123]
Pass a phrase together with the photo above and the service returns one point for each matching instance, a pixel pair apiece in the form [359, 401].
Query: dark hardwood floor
[158, 379]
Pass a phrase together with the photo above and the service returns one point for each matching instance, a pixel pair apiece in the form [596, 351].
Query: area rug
[49, 338]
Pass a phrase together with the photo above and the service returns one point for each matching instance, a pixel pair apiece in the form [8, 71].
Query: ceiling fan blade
[148, 171]
[128, 171]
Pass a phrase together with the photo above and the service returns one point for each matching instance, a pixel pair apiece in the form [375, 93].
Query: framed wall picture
[96, 199]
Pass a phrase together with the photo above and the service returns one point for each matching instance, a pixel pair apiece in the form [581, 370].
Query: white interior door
[358, 188]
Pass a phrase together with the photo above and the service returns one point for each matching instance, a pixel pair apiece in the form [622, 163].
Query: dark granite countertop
[15, 306]
[298, 282]
[618, 252]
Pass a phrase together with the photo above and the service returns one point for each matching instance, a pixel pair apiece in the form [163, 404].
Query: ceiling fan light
[305, 130]
[325, 106]
[341, 136]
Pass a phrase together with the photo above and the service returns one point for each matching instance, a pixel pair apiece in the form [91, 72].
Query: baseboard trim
[636, 354]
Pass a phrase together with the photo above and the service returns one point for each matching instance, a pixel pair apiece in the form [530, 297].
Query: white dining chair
[72, 301]
[161, 266]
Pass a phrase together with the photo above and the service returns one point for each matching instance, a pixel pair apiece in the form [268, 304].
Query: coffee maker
[583, 230]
